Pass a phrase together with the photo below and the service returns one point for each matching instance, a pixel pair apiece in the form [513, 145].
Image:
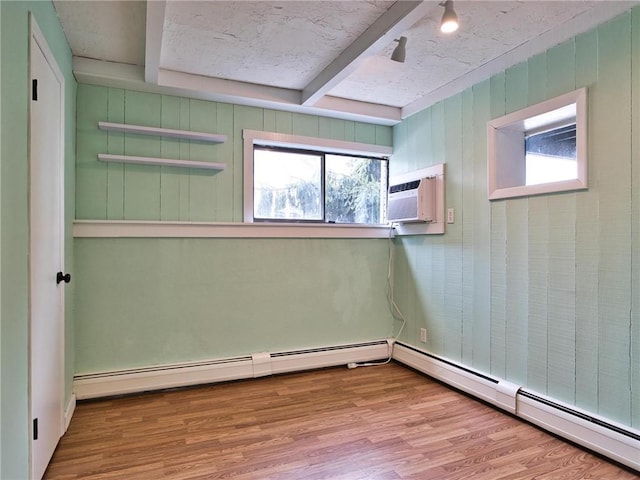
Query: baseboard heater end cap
[261, 364]
[506, 396]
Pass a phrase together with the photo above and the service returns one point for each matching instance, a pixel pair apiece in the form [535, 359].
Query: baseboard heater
[618, 442]
[119, 382]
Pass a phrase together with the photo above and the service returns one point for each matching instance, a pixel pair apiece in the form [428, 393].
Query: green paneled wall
[157, 301]
[542, 291]
[142, 192]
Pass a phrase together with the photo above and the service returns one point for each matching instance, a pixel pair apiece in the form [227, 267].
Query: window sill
[157, 229]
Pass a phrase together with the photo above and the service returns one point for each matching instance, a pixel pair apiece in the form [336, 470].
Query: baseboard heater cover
[618, 442]
[158, 377]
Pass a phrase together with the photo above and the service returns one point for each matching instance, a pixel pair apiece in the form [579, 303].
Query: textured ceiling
[434, 58]
[283, 44]
[316, 52]
[111, 31]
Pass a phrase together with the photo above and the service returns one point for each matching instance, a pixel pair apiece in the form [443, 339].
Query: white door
[46, 296]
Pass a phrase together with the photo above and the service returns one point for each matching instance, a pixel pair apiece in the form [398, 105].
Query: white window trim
[256, 137]
[512, 128]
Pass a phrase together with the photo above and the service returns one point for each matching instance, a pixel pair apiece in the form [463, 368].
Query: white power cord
[396, 313]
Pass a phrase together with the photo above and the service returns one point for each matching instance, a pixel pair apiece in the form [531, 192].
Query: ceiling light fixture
[399, 53]
[449, 22]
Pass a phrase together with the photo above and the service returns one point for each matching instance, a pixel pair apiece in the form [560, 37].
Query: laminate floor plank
[377, 423]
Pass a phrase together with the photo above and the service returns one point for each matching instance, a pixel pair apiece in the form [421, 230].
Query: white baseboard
[497, 392]
[68, 411]
[104, 384]
[579, 429]
[618, 442]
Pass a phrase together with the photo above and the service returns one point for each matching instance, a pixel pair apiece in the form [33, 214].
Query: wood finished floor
[373, 423]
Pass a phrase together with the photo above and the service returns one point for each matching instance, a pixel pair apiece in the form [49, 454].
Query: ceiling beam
[153, 39]
[400, 17]
[119, 75]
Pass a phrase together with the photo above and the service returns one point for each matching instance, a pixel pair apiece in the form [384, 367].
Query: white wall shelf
[175, 229]
[167, 162]
[162, 132]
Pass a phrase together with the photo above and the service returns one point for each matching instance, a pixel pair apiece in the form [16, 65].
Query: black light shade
[399, 53]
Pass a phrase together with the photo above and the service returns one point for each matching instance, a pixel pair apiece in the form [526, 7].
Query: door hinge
[34, 89]
[35, 428]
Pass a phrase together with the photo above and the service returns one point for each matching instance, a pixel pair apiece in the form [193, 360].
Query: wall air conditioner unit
[412, 201]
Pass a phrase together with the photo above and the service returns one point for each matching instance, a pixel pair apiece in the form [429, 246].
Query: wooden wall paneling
[587, 240]
[453, 236]
[400, 158]
[417, 269]
[465, 218]
[224, 179]
[537, 241]
[91, 175]
[498, 250]
[170, 148]
[365, 133]
[332, 128]
[325, 128]
[250, 118]
[142, 182]
[305, 125]
[613, 141]
[115, 145]
[586, 59]
[516, 305]
[498, 288]
[350, 130]
[421, 141]
[635, 227]
[436, 242]
[481, 230]
[538, 277]
[561, 68]
[419, 144]
[269, 118]
[516, 272]
[420, 290]
[437, 140]
[384, 136]
[437, 287]
[561, 298]
[284, 122]
[402, 284]
[561, 326]
[537, 78]
[516, 87]
[185, 154]
[203, 185]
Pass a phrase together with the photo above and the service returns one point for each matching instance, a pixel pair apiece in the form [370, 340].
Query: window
[551, 156]
[300, 179]
[539, 149]
[287, 185]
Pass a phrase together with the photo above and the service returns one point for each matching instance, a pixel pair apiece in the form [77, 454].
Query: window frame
[253, 138]
[506, 149]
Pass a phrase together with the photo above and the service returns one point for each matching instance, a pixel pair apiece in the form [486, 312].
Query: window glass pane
[551, 156]
[356, 189]
[287, 185]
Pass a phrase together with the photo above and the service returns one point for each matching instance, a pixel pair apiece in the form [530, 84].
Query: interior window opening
[550, 156]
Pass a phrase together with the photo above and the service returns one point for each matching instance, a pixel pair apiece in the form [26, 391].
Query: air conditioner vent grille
[401, 187]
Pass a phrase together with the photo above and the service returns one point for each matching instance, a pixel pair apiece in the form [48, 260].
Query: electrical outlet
[451, 215]
[423, 335]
